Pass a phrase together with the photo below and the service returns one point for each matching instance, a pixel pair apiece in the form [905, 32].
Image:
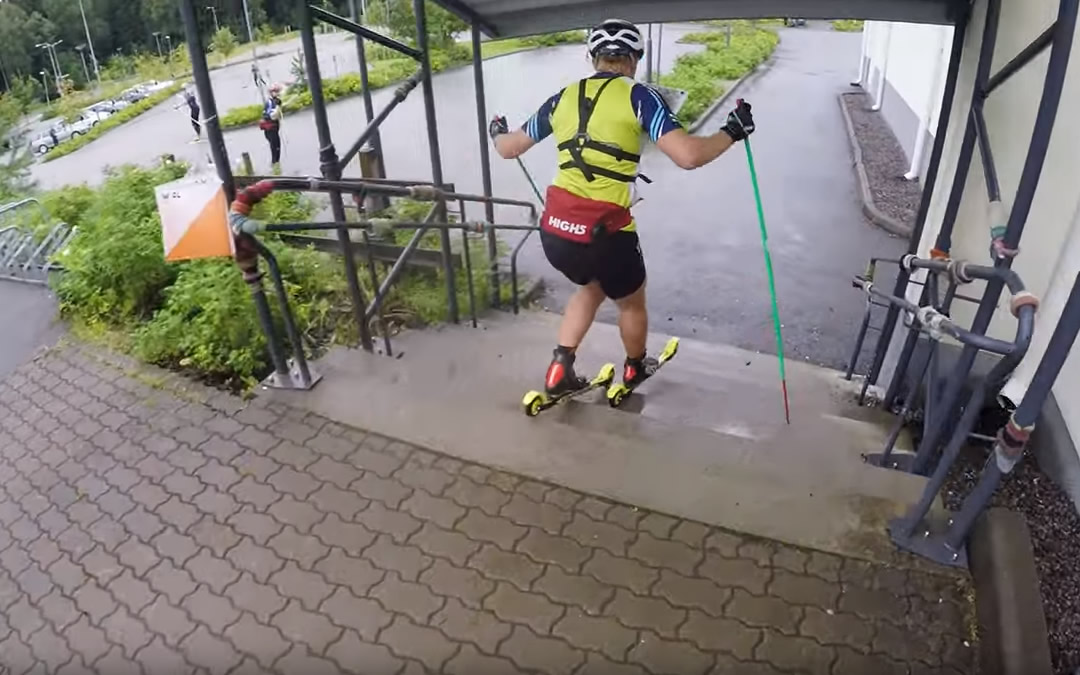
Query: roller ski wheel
[620, 391]
[536, 402]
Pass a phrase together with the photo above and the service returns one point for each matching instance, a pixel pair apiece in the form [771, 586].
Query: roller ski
[563, 384]
[636, 372]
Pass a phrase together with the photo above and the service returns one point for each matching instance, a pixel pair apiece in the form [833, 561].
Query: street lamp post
[168, 45]
[82, 55]
[213, 10]
[50, 48]
[45, 82]
[254, 53]
[157, 40]
[90, 44]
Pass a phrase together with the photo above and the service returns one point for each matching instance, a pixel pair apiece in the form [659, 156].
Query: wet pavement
[28, 317]
[699, 229]
[150, 525]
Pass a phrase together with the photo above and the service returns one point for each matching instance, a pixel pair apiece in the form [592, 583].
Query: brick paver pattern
[145, 530]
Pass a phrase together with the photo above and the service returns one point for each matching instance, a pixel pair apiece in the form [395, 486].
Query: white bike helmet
[616, 37]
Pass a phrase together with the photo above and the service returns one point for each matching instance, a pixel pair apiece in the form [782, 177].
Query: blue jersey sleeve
[539, 125]
[652, 111]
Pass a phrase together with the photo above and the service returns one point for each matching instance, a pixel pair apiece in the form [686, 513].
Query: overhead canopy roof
[510, 18]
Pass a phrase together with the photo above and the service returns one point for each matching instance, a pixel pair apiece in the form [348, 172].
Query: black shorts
[614, 261]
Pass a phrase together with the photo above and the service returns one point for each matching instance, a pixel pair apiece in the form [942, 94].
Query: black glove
[740, 122]
[498, 127]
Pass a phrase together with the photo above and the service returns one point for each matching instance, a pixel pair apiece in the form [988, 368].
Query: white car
[63, 131]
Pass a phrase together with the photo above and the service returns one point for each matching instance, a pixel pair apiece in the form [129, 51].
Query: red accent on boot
[629, 373]
[555, 374]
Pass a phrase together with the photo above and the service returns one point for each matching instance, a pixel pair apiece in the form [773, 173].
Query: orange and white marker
[194, 219]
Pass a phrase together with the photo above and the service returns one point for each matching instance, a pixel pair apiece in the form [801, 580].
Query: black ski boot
[636, 371]
[561, 378]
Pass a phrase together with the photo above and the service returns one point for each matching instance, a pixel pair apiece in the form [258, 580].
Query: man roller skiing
[587, 230]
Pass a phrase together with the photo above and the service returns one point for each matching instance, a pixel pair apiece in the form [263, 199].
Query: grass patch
[702, 74]
[197, 317]
[387, 68]
[124, 116]
[847, 25]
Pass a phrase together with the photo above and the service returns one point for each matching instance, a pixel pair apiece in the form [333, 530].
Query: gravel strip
[884, 161]
[1055, 533]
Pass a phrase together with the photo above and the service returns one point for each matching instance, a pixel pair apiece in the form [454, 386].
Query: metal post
[247, 255]
[485, 161]
[436, 160]
[369, 108]
[90, 43]
[201, 74]
[329, 164]
[82, 57]
[648, 56]
[659, 51]
[929, 184]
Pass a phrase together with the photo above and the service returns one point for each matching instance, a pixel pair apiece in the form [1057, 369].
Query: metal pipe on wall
[330, 170]
[948, 96]
[485, 161]
[883, 71]
[1029, 180]
[436, 160]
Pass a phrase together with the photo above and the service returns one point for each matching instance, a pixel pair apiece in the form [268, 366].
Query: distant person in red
[271, 124]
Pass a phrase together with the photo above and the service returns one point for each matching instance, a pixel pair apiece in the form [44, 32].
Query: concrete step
[458, 391]
[716, 387]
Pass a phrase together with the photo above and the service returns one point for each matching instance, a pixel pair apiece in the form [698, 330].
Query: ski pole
[528, 175]
[772, 280]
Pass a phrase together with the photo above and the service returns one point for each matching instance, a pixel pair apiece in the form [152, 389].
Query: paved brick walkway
[142, 528]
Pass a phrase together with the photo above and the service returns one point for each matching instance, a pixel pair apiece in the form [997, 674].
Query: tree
[443, 26]
[224, 42]
[14, 155]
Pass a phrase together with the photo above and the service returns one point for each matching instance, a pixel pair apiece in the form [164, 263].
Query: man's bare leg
[579, 314]
[633, 323]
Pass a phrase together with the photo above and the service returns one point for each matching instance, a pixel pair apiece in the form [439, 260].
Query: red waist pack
[579, 219]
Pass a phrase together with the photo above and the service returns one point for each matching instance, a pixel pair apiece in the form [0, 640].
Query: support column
[328, 161]
[485, 161]
[436, 159]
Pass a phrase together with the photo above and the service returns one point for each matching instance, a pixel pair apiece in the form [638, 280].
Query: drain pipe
[879, 98]
[864, 61]
[1013, 438]
[924, 122]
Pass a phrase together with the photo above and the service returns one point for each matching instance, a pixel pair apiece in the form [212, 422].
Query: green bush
[847, 25]
[223, 42]
[122, 117]
[115, 267]
[553, 39]
[702, 74]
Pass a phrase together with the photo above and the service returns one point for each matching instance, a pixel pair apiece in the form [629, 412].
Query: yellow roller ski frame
[618, 392]
[535, 402]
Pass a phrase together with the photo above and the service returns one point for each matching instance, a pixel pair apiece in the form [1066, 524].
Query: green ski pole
[772, 280]
[528, 175]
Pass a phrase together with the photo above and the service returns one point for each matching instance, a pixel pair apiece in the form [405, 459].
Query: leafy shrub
[701, 74]
[847, 25]
[115, 267]
[265, 34]
[122, 117]
[552, 39]
[223, 42]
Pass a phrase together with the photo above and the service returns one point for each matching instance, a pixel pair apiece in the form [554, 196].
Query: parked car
[64, 131]
[794, 22]
[134, 94]
[106, 108]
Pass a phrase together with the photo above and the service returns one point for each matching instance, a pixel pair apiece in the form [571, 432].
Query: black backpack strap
[586, 108]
